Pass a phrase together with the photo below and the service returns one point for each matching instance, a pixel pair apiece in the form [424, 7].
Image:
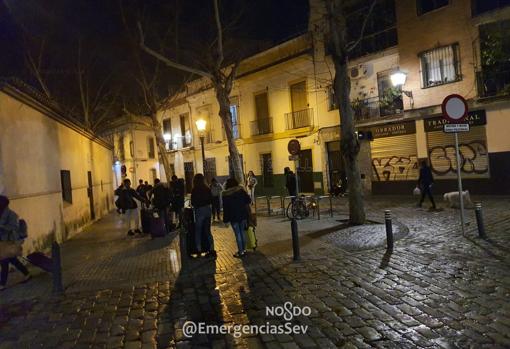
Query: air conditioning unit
[359, 71]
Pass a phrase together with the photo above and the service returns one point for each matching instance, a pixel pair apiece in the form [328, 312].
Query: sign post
[294, 148]
[455, 109]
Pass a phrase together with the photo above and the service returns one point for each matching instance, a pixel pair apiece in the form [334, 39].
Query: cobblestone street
[437, 289]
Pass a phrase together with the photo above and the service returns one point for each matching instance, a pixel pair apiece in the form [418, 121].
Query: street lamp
[398, 79]
[201, 126]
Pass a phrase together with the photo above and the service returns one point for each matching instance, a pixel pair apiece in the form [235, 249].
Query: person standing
[9, 227]
[290, 181]
[425, 182]
[251, 182]
[236, 203]
[216, 190]
[161, 199]
[127, 203]
[177, 188]
[201, 200]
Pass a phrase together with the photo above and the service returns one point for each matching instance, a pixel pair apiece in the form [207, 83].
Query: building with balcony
[285, 93]
[135, 152]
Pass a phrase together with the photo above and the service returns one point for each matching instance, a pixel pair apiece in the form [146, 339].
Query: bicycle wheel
[299, 210]
[288, 211]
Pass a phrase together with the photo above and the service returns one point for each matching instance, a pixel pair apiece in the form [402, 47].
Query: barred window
[440, 66]
[65, 181]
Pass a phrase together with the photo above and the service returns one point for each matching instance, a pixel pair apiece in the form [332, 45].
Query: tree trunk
[235, 161]
[342, 86]
[160, 141]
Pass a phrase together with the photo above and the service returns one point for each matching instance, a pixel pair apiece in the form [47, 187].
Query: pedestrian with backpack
[127, 203]
[161, 200]
[11, 231]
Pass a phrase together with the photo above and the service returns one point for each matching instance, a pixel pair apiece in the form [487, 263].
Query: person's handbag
[10, 249]
[417, 191]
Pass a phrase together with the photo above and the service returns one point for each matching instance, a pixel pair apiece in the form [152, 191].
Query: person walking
[290, 181]
[251, 182]
[201, 200]
[127, 203]
[9, 231]
[425, 182]
[216, 190]
[177, 188]
[161, 199]
[236, 203]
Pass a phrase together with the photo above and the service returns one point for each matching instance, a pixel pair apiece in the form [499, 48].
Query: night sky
[62, 22]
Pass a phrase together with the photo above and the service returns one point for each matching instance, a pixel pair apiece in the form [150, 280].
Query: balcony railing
[236, 128]
[493, 83]
[373, 108]
[262, 126]
[300, 118]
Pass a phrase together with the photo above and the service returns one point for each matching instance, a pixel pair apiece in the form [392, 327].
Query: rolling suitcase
[157, 225]
[145, 219]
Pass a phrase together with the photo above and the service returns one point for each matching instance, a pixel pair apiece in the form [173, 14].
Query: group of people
[168, 200]
[206, 205]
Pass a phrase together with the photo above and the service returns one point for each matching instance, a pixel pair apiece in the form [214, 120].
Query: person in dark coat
[9, 226]
[290, 181]
[201, 200]
[161, 199]
[236, 203]
[425, 182]
[127, 203]
[178, 193]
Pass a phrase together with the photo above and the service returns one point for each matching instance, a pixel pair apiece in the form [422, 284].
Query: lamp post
[398, 79]
[201, 126]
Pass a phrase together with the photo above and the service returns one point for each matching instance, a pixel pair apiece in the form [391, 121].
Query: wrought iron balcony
[373, 108]
[298, 119]
[262, 126]
[493, 83]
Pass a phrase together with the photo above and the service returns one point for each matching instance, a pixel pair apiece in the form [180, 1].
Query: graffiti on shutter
[472, 148]
[395, 158]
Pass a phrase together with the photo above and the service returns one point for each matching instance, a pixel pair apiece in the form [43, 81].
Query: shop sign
[474, 118]
[396, 129]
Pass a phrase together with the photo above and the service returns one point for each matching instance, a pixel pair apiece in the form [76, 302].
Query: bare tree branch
[219, 60]
[167, 61]
[352, 45]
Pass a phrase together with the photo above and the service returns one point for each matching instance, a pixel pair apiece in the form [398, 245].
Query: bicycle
[299, 208]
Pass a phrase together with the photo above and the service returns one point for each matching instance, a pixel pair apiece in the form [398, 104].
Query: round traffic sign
[294, 147]
[454, 108]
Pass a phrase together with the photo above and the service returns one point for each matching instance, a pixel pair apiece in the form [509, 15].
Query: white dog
[453, 199]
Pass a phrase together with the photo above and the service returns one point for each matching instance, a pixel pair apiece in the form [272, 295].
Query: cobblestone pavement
[437, 289]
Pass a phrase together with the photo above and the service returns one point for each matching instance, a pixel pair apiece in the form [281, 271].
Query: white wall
[33, 150]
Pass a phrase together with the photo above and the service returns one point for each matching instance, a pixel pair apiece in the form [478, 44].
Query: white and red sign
[455, 108]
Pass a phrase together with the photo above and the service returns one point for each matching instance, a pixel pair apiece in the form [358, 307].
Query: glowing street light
[201, 126]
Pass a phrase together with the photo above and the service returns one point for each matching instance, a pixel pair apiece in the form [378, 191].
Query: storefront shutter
[473, 150]
[395, 158]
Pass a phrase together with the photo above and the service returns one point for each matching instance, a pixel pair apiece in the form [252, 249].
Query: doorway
[305, 171]
[335, 164]
[90, 194]
[189, 172]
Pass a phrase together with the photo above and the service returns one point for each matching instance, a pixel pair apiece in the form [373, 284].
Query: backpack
[22, 229]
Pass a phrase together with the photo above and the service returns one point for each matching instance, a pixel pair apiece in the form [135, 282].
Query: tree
[220, 73]
[340, 46]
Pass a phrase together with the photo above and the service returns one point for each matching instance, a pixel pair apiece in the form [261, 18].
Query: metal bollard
[389, 229]
[479, 220]
[295, 239]
[58, 288]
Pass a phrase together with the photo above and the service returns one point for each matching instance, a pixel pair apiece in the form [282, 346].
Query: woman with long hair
[236, 203]
[201, 200]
